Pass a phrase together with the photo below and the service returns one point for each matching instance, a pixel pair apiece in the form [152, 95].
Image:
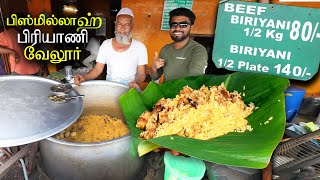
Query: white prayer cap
[125, 11]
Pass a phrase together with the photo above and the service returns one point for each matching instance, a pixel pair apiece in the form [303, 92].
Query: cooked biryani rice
[200, 114]
[94, 128]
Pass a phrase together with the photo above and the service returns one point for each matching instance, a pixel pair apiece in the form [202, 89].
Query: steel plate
[26, 113]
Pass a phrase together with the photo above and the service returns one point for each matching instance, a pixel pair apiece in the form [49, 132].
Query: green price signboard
[267, 38]
[171, 5]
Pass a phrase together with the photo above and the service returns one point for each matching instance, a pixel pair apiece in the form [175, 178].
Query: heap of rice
[94, 128]
[200, 114]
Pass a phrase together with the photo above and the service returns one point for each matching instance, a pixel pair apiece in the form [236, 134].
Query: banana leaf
[252, 149]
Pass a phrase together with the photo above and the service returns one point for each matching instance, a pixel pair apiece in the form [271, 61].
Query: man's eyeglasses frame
[183, 24]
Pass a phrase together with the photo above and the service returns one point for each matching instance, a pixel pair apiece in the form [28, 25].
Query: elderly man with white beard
[125, 57]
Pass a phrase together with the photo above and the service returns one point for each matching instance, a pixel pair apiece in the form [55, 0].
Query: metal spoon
[62, 98]
[61, 88]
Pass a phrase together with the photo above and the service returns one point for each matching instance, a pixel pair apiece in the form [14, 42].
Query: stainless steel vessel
[105, 160]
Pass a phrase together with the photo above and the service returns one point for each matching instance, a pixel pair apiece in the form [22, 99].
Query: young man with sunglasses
[184, 57]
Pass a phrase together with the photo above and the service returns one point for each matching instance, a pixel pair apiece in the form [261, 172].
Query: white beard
[124, 40]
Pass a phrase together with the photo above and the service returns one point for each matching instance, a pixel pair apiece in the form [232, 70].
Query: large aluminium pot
[105, 160]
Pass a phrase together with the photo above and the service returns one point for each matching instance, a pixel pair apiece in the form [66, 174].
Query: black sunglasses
[182, 24]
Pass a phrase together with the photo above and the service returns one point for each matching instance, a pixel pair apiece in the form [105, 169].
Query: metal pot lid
[26, 113]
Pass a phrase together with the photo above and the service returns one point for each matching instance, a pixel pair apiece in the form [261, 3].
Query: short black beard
[179, 39]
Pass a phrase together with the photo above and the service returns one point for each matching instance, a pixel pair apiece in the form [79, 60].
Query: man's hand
[78, 79]
[173, 152]
[134, 85]
[157, 62]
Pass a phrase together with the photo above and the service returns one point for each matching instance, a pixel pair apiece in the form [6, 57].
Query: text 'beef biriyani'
[200, 114]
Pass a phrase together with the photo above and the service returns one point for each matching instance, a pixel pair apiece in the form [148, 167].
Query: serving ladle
[62, 98]
[61, 88]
